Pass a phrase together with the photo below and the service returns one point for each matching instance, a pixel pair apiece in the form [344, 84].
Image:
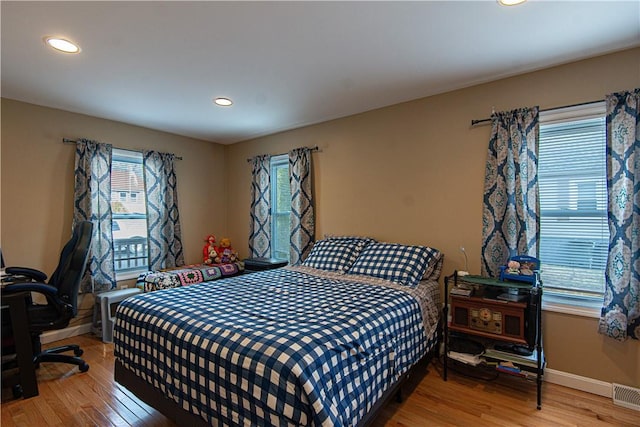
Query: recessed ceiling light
[62, 45]
[223, 102]
[511, 2]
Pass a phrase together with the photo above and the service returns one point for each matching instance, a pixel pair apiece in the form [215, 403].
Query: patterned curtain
[620, 317]
[260, 226]
[163, 219]
[92, 202]
[302, 219]
[511, 213]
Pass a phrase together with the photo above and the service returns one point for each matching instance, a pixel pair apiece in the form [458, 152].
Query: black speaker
[461, 316]
[531, 321]
[512, 326]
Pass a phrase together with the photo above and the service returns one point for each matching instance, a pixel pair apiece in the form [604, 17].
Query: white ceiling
[285, 64]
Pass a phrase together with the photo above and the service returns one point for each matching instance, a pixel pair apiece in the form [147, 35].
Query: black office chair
[61, 293]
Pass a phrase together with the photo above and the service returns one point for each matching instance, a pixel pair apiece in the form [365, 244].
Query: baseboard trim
[553, 376]
[60, 334]
[577, 382]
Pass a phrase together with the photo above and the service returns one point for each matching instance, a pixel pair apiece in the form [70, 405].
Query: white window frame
[554, 301]
[276, 163]
[132, 157]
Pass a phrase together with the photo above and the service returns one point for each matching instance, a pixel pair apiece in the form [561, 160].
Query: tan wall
[413, 173]
[37, 182]
[410, 173]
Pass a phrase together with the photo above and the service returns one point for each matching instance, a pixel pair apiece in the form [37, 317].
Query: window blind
[129, 212]
[280, 207]
[574, 234]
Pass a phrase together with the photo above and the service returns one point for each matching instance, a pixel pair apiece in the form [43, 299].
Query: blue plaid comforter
[293, 346]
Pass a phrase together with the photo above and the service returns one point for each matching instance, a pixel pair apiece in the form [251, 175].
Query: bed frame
[169, 408]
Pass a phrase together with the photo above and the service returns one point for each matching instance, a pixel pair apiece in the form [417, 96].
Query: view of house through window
[128, 205]
[280, 207]
[574, 234]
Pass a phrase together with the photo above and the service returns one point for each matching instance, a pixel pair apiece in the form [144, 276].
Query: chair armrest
[41, 288]
[31, 273]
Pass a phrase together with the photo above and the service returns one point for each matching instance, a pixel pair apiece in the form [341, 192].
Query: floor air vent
[626, 396]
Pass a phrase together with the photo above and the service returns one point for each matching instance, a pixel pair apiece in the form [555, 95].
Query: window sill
[565, 305]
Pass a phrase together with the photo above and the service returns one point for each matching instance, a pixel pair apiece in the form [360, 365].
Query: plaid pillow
[434, 265]
[335, 254]
[397, 263]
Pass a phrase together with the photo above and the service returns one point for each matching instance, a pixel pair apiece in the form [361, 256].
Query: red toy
[209, 249]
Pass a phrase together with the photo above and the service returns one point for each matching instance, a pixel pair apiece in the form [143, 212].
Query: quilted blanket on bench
[187, 275]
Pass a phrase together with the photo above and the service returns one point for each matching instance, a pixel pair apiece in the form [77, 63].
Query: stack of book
[511, 369]
[458, 290]
[530, 361]
[511, 363]
[466, 358]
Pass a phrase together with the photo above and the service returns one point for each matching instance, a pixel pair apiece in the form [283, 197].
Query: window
[280, 207]
[574, 234]
[129, 214]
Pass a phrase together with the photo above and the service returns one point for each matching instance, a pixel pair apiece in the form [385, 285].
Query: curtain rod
[310, 149]
[73, 141]
[475, 122]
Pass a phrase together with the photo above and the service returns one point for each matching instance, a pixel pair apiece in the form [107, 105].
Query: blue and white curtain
[620, 317]
[302, 218]
[92, 202]
[260, 223]
[163, 218]
[511, 214]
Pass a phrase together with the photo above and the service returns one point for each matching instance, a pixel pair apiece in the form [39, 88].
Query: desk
[17, 304]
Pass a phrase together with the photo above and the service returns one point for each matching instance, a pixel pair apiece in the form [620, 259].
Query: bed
[319, 344]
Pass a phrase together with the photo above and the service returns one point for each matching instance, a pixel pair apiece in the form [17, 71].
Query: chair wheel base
[16, 390]
[84, 367]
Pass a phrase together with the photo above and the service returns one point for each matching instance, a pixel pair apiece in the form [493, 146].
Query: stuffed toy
[513, 267]
[213, 255]
[226, 253]
[209, 249]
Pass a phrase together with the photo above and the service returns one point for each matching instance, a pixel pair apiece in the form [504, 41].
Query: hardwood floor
[70, 398]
